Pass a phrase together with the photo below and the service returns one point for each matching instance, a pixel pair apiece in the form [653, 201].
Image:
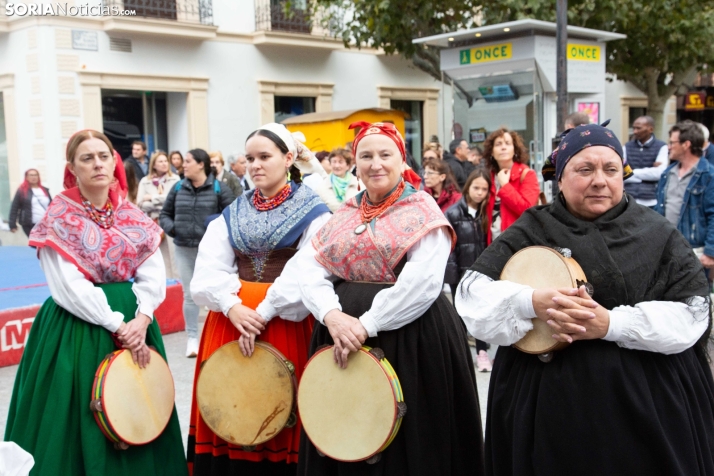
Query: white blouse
[500, 312]
[72, 291]
[417, 287]
[215, 282]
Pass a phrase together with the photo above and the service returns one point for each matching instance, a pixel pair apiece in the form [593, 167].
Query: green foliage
[667, 40]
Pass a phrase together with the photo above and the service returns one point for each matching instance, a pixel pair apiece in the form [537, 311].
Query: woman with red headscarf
[30, 202]
[373, 276]
[91, 242]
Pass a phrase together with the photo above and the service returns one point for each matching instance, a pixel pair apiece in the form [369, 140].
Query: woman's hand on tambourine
[347, 332]
[141, 356]
[133, 333]
[246, 342]
[246, 320]
[543, 300]
[577, 317]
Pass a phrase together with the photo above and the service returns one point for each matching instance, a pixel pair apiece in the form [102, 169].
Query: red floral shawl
[373, 255]
[102, 255]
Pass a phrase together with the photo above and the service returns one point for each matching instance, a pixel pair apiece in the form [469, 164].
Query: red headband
[119, 184]
[385, 128]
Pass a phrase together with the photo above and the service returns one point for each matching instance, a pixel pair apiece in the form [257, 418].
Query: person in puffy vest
[187, 210]
[648, 157]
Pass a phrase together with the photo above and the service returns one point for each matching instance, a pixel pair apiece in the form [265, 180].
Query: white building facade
[181, 74]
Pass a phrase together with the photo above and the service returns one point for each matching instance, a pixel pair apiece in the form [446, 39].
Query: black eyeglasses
[674, 142]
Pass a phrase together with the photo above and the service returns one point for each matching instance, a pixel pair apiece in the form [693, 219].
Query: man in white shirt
[648, 157]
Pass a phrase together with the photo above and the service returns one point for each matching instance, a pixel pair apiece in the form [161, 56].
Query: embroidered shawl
[255, 233]
[373, 255]
[102, 255]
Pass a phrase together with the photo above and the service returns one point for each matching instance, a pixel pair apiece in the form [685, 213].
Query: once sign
[578, 52]
[483, 54]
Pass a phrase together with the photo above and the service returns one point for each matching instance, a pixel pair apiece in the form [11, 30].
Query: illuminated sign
[694, 100]
[484, 54]
[583, 52]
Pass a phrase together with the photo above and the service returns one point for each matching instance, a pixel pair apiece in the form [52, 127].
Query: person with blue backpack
[187, 210]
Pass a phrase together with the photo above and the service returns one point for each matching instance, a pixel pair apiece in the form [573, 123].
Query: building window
[413, 125]
[192, 11]
[290, 106]
[135, 115]
[281, 15]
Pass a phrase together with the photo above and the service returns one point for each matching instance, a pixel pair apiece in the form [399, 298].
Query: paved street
[182, 369]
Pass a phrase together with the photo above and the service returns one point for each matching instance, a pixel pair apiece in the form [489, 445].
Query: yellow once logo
[482, 54]
[583, 52]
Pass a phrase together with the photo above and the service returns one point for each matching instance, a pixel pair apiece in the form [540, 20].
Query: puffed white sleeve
[666, 327]
[497, 312]
[150, 284]
[72, 291]
[417, 287]
[284, 298]
[215, 282]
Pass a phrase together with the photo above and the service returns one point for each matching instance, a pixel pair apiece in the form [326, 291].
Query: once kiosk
[506, 75]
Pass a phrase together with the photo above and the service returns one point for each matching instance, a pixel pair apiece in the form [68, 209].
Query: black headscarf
[577, 139]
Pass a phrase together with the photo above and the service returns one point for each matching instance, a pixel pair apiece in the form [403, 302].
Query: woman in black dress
[373, 275]
[633, 393]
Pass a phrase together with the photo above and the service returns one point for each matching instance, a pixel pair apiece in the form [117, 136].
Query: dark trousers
[27, 229]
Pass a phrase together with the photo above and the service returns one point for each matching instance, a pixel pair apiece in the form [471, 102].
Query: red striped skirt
[290, 338]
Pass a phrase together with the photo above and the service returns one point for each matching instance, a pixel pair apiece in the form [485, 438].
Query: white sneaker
[192, 347]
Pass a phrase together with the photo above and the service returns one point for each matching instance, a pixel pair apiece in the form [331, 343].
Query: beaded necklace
[369, 212]
[264, 204]
[103, 217]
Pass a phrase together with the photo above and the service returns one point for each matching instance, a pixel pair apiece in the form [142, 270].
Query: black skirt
[598, 409]
[441, 433]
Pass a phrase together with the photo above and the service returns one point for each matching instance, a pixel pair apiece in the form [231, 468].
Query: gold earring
[287, 173]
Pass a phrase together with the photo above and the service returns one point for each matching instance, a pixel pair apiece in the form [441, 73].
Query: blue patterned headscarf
[577, 139]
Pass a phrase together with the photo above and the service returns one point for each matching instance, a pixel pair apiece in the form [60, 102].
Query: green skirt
[49, 412]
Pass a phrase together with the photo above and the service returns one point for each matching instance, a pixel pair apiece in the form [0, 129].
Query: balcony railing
[279, 17]
[191, 11]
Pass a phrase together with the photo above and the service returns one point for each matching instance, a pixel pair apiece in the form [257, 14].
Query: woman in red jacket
[514, 186]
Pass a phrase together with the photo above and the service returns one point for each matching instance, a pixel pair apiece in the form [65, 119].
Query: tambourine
[541, 267]
[131, 405]
[247, 400]
[366, 397]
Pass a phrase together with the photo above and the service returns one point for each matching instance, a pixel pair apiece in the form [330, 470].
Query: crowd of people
[353, 247]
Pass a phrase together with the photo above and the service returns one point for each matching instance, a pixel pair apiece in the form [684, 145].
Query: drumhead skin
[138, 402]
[348, 414]
[541, 267]
[246, 400]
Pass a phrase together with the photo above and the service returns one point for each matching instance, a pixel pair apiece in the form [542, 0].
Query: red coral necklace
[264, 204]
[369, 212]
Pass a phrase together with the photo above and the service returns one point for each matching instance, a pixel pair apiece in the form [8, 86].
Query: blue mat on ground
[22, 282]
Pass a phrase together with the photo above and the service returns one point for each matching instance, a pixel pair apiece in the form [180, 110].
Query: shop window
[135, 115]
[413, 125]
[290, 106]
